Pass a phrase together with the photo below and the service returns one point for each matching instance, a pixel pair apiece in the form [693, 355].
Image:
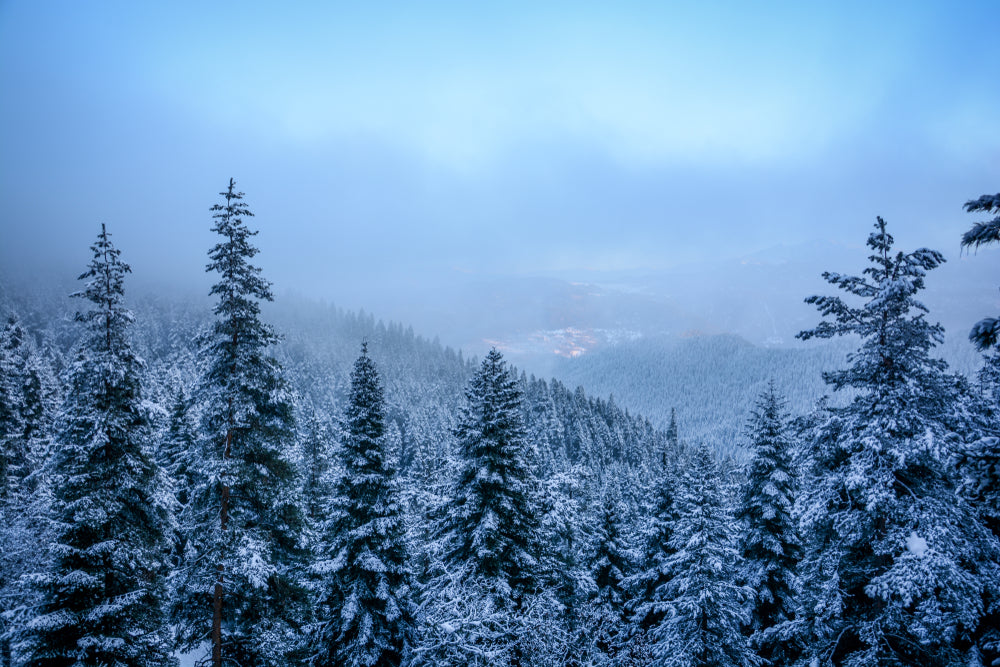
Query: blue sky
[381, 141]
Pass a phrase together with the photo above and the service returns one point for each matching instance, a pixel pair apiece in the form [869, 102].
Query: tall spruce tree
[612, 564]
[366, 586]
[493, 518]
[486, 587]
[697, 607]
[178, 450]
[565, 528]
[178, 457]
[318, 469]
[895, 564]
[769, 540]
[29, 401]
[646, 583]
[103, 596]
[13, 468]
[12, 455]
[238, 588]
[979, 462]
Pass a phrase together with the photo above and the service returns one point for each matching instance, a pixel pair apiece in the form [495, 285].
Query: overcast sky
[381, 141]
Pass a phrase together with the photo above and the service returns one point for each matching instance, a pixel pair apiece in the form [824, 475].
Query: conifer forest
[499, 334]
[203, 487]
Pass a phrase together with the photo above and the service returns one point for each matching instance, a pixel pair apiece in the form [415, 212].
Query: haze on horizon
[396, 154]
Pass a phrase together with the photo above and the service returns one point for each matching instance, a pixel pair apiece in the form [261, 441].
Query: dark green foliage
[693, 610]
[317, 469]
[612, 564]
[567, 534]
[487, 581]
[178, 451]
[12, 456]
[493, 518]
[103, 595]
[711, 380]
[986, 333]
[29, 399]
[243, 523]
[366, 609]
[769, 540]
[895, 566]
[653, 572]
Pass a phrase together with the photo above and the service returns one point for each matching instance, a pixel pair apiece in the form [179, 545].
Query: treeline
[367, 497]
[654, 375]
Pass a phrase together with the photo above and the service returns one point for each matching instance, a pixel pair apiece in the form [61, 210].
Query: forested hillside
[709, 382]
[291, 484]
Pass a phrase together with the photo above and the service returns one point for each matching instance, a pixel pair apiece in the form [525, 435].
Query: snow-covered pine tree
[317, 469]
[979, 462]
[41, 398]
[29, 401]
[695, 610]
[769, 540]
[493, 518]
[977, 436]
[13, 454]
[104, 592]
[612, 564]
[239, 588]
[567, 531]
[986, 333]
[177, 455]
[178, 450]
[13, 461]
[486, 589]
[672, 440]
[895, 565]
[366, 592]
[645, 584]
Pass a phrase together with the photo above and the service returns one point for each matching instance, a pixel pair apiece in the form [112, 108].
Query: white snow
[916, 544]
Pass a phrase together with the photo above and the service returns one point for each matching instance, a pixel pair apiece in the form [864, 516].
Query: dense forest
[315, 487]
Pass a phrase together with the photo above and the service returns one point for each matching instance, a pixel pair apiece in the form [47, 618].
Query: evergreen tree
[769, 541]
[178, 451]
[698, 607]
[13, 454]
[980, 460]
[366, 591]
[486, 592]
[493, 518]
[29, 397]
[567, 535]
[672, 440]
[895, 564]
[178, 457]
[647, 585]
[317, 469]
[40, 392]
[13, 459]
[986, 333]
[612, 563]
[978, 467]
[238, 588]
[104, 592]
